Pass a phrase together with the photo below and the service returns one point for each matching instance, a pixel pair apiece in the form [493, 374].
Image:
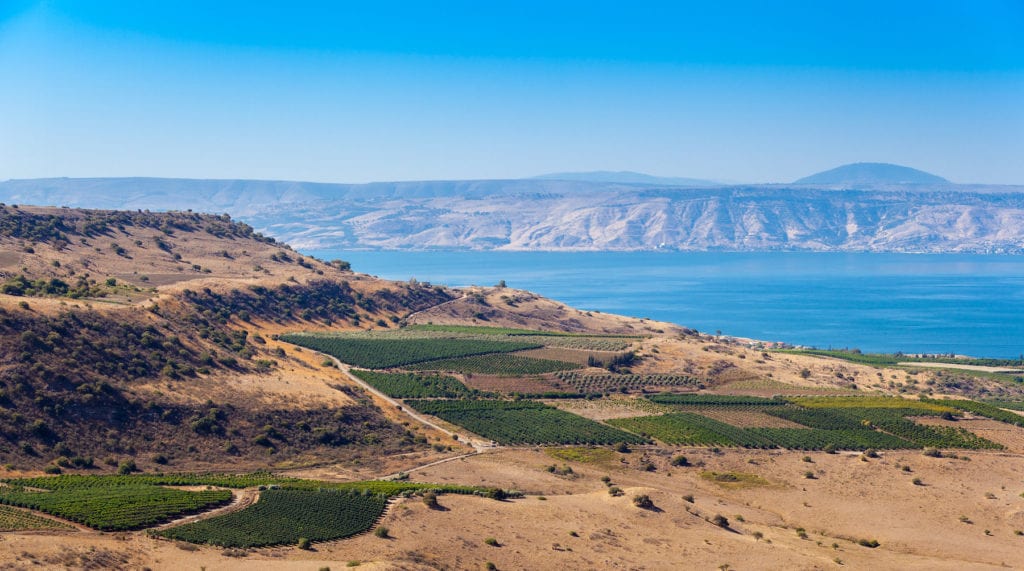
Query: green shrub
[643, 501]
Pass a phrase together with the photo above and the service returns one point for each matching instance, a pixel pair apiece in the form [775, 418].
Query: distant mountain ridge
[626, 177]
[550, 214]
[855, 174]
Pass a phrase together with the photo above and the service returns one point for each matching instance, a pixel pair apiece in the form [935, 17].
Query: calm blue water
[967, 304]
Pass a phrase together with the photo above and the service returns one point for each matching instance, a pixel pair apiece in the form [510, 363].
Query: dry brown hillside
[147, 336]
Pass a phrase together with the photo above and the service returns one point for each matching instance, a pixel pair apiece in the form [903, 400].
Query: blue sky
[335, 91]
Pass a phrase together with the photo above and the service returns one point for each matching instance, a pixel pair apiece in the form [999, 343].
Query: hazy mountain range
[860, 207]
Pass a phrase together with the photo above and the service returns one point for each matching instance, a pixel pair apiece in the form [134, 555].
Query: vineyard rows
[874, 402]
[412, 385]
[683, 428]
[981, 409]
[592, 383]
[819, 439]
[124, 502]
[522, 422]
[894, 421]
[12, 519]
[502, 364]
[283, 516]
[842, 428]
[714, 400]
[382, 353]
[115, 508]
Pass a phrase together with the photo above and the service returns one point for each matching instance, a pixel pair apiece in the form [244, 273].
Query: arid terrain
[163, 347]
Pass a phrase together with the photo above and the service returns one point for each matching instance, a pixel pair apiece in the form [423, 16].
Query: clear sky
[378, 90]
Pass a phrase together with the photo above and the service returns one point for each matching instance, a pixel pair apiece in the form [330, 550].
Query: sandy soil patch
[606, 409]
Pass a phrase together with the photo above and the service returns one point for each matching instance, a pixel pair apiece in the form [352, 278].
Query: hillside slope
[147, 336]
[152, 337]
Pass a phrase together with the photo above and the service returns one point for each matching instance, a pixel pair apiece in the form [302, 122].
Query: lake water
[966, 304]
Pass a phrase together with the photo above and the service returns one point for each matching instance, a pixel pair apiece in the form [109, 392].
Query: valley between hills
[178, 391]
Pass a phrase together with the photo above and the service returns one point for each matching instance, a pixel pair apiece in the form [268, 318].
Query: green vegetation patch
[686, 428]
[714, 400]
[486, 330]
[502, 364]
[412, 385]
[925, 406]
[584, 455]
[895, 422]
[734, 479]
[114, 508]
[820, 439]
[848, 423]
[584, 341]
[821, 418]
[13, 519]
[283, 516]
[71, 482]
[982, 409]
[608, 382]
[383, 352]
[523, 422]
[1012, 405]
[125, 502]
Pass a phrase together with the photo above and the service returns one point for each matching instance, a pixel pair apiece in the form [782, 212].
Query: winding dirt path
[478, 445]
[240, 499]
[433, 307]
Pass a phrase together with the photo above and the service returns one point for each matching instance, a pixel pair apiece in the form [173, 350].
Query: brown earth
[918, 527]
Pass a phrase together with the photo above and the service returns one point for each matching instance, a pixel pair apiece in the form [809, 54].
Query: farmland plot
[523, 422]
[283, 516]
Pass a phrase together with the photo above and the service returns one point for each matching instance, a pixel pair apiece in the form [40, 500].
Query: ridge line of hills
[859, 207]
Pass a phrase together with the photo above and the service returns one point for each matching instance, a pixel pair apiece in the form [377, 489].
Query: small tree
[643, 501]
[127, 467]
[720, 520]
[680, 461]
[304, 543]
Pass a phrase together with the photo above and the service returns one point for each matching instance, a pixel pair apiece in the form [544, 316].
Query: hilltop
[862, 174]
